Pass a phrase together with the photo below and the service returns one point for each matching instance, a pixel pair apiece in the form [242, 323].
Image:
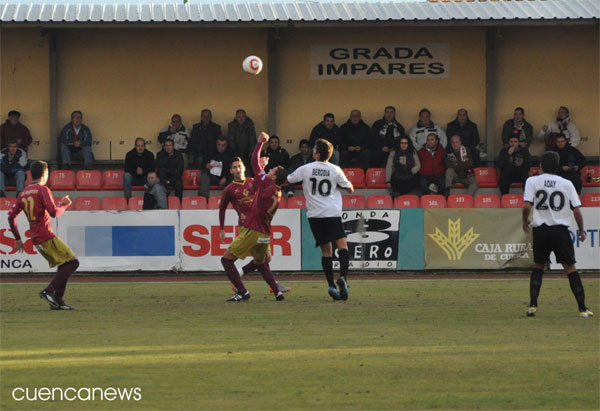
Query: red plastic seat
[86, 203]
[460, 201]
[62, 180]
[353, 201]
[282, 203]
[174, 203]
[90, 180]
[215, 201]
[486, 176]
[589, 172]
[535, 171]
[433, 201]
[380, 201]
[114, 203]
[136, 203]
[591, 200]
[191, 179]
[193, 203]
[375, 178]
[7, 202]
[512, 201]
[113, 180]
[407, 201]
[356, 176]
[28, 181]
[296, 202]
[487, 201]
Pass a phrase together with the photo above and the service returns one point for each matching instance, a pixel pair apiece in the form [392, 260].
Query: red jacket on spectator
[432, 163]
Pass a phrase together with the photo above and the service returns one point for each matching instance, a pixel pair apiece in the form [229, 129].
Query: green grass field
[394, 344]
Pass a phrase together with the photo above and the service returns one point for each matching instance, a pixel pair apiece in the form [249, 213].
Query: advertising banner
[27, 261]
[372, 237]
[411, 253]
[122, 240]
[201, 248]
[379, 61]
[587, 253]
[476, 239]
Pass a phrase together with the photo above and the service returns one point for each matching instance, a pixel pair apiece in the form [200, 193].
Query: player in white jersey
[321, 181]
[552, 199]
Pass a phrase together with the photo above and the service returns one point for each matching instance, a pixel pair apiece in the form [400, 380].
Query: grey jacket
[159, 192]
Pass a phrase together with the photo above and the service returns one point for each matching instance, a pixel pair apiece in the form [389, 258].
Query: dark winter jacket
[354, 135]
[469, 135]
[241, 137]
[225, 158]
[133, 160]
[461, 161]
[204, 136]
[569, 156]
[12, 165]
[18, 132]
[298, 160]
[381, 136]
[172, 164]
[519, 158]
[279, 157]
[525, 134]
[330, 134]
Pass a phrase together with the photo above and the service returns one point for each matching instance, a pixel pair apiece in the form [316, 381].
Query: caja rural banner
[476, 239]
[372, 237]
[202, 249]
[587, 253]
[12, 261]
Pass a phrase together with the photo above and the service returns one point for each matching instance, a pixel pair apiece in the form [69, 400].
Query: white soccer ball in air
[252, 65]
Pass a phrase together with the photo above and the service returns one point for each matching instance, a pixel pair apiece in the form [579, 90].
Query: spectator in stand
[519, 127]
[169, 166]
[156, 195]
[241, 138]
[138, 163]
[278, 156]
[354, 138]
[467, 130]
[178, 134]
[76, 141]
[571, 162]
[459, 166]
[12, 129]
[13, 164]
[562, 126]
[204, 137]
[385, 134]
[328, 130]
[432, 157]
[514, 162]
[216, 170]
[298, 160]
[401, 171]
[419, 133]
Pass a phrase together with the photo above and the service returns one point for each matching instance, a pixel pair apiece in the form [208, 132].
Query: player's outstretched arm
[579, 220]
[255, 159]
[350, 189]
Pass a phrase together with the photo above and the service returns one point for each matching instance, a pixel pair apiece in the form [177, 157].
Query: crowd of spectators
[429, 158]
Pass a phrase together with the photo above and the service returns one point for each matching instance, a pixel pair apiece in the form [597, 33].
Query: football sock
[535, 283]
[233, 275]
[248, 268]
[344, 262]
[59, 282]
[267, 275]
[327, 264]
[577, 288]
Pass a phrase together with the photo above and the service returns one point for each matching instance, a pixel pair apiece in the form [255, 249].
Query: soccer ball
[252, 65]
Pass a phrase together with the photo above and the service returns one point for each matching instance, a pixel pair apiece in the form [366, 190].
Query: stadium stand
[282, 203]
[27, 181]
[353, 201]
[136, 203]
[375, 178]
[487, 201]
[215, 201]
[296, 202]
[512, 201]
[591, 200]
[356, 176]
[588, 173]
[193, 203]
[534, 171]
[7, 202]
[191, 179]
[407, 201]
[380, 201]
[86, 203]
[433, 201]
[89, 180]
[62, 180]
[486, 176]
[115, 203]
[460, 201]
[113, 180]
[174, 203]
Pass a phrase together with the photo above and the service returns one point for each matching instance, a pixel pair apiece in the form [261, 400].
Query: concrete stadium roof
[456, 11]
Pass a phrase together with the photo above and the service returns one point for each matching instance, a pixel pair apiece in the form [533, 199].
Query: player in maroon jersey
[240, 193]
[255, 234]
[36, 200]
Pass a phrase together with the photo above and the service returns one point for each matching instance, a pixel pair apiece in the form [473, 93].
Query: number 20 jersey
[320, 183]
[552, 198]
